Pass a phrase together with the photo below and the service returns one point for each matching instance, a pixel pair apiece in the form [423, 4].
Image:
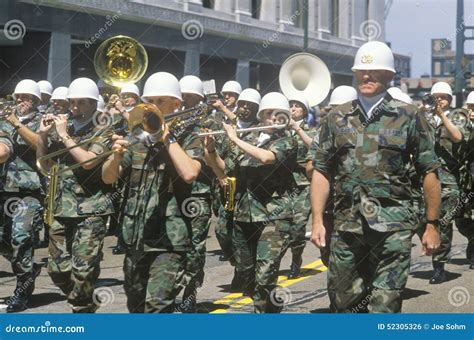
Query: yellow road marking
[283, 281]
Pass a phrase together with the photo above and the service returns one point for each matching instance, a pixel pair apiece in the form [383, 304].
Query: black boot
[439, 275]
[17, 303]
[118, 250]
[25, 285]
[189, 301]
[295, 268]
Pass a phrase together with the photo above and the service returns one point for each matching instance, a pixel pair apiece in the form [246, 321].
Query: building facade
[246, 40]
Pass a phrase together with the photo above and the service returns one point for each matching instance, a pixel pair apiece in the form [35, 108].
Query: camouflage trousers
[257, 254]
[75, 251]
[368, 272]
[224, 231]
[297, 229]
[22, 218]
[196, 258]
[152, 280]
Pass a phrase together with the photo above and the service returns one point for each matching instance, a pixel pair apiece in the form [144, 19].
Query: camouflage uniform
[373, 212]
[225, 219]
[200, 211]
[77, 234]
[21, 199]
[299, 199]
[449, 154]
[157, 226]
[262, 210]
[465, 223]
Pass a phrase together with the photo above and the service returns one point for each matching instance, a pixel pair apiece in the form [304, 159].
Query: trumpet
[429, 102]
[254, 129]
[7, 107]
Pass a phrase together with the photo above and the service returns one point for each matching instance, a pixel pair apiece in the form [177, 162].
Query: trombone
[255, 129]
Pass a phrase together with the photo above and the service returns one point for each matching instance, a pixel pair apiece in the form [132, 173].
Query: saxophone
[229, 193]
[51, 194]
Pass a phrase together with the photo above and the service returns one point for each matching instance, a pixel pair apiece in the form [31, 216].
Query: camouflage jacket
[159, 203]
[299, 168]
[19, 172]
[370, 159]
[81, 193]
[450, 155]
[263, 191]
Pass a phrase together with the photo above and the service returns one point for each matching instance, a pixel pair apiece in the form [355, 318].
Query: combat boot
[189, 301]
[295, 268]
[439, 275]
[25, 285]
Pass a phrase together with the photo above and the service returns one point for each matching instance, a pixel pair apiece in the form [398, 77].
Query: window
[208, 3]
[334, 17]
[256, 8]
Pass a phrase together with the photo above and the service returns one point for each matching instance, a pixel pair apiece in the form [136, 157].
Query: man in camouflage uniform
[367, 144]
[82, 202]
[247, 108]
[226, 111]
[157, 226]
[263, 206]
[301, 132]
[465, 224]
[199, 206]
[20, 191]
[450, 141]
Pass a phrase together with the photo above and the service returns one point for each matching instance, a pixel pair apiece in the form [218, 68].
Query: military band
[155, 167]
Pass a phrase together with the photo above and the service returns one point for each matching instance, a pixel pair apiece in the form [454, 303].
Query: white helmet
[59, 93]
[394, 90]
[342, 94]
[403, 97]
[232, 86]
[101, 104]
[130, 88]
[274, 101]
[27, 86]
[83, 88]
[301, 99]
[45, 87]
[470, 98]
[161, 84]
[250, 95]
[192, 84]
[374, 55]
[442, 87]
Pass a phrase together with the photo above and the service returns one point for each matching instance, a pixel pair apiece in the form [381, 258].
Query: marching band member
[264, 183]
[21, 193]
[82, 203]
[157, 227]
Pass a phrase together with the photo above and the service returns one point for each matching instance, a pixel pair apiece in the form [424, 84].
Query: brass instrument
[54, 172]
[304, 74]
[429, 102]
[7, 107]
[120, 60]
[255, 129]
[230, 186]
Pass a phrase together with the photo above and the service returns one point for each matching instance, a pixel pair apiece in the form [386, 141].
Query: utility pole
[305, 25]
[460, 38]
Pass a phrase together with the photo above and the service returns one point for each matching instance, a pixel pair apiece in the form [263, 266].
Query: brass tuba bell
[304, 74]
[120, 60]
